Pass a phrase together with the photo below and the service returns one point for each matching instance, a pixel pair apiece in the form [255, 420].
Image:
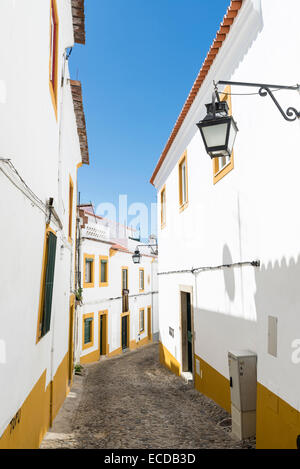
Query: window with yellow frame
[87, 331]
[183, 182]
[163, 207]
[224, 164]
[71, 194]
[141, 280]
[88, 271]
[103, 274]
[142, 320]
[53, 60]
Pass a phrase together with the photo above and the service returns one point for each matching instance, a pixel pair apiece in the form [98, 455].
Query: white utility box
[243, 382]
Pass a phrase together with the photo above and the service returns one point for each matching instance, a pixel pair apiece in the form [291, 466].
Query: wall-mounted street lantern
[137, 255]
[218, 130]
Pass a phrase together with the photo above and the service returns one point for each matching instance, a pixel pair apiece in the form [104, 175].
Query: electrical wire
[207, 268]
[25, 189]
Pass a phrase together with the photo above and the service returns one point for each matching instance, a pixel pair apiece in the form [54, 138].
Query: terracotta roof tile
[220, 38]
[78, 21]
[80, 120]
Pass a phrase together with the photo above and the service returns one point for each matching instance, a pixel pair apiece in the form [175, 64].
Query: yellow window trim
[163, 192]
[103, 258]
[71, 200]
[183, 206]
[124, 268]
[42, 284]
[53, 90]
[91, 284]
[141, 270]
[89, 344]
[218, 175]
[141, 330]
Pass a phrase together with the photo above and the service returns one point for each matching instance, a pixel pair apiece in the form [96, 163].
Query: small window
[103, 260]
[47, 285]
[53, 52]
[88, 271]
[141, 280]
[224, 164]
[163, 207]
[183, 182]
[71, 191]
[142, 320]
[88, 331]
[124, 278]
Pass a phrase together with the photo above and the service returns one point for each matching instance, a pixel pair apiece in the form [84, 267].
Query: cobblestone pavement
[132, 401]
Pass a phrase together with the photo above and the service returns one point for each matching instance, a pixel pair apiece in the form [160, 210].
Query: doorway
[125, 331]
[103, 333]
[187, 331]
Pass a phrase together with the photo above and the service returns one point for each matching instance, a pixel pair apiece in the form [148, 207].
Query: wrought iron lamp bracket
[290, 115]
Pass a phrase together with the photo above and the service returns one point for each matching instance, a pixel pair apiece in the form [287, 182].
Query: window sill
[104, 284]
[225, 170]
[88, 285]
[183, 207]
[88, 345]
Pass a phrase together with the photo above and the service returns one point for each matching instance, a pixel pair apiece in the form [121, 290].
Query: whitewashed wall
[30, 136]
[109, 298]
[252, 213]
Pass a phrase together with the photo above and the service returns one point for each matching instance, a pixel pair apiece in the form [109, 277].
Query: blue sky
[137, 68]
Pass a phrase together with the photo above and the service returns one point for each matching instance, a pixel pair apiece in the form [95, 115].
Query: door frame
[187, 289]
[128, 329]
[149, 316]
[103, 313]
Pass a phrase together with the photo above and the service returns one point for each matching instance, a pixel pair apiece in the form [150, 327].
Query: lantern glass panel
[215, 135]
[232, 136]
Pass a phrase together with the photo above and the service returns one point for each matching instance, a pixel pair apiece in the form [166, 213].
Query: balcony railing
[96, 231]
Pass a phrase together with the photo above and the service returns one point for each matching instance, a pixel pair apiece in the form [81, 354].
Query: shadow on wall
[228, 273]
[278, 296]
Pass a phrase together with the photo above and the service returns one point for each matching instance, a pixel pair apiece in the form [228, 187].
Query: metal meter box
[243, 382]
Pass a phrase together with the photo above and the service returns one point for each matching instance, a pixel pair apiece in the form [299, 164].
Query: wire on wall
[207, 268]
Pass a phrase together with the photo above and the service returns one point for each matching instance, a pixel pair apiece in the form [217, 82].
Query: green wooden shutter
[49, 279]
[103, 271]
[87, 331]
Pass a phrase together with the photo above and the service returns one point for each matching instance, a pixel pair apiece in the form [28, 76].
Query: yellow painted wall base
[213, 385]
[60, 386]
[90, 357]
[28, 429]
[134, 345]
[116, 352]
[278, 424]
[167, 359]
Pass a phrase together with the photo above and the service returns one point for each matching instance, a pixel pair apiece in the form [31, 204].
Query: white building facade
[118, 308]
[41, 150]
[237, 210]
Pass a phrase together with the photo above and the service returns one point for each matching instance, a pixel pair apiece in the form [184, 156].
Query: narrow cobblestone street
[132, 401]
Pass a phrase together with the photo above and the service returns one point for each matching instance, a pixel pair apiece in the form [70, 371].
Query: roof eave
[78, 21]
[228, 20]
